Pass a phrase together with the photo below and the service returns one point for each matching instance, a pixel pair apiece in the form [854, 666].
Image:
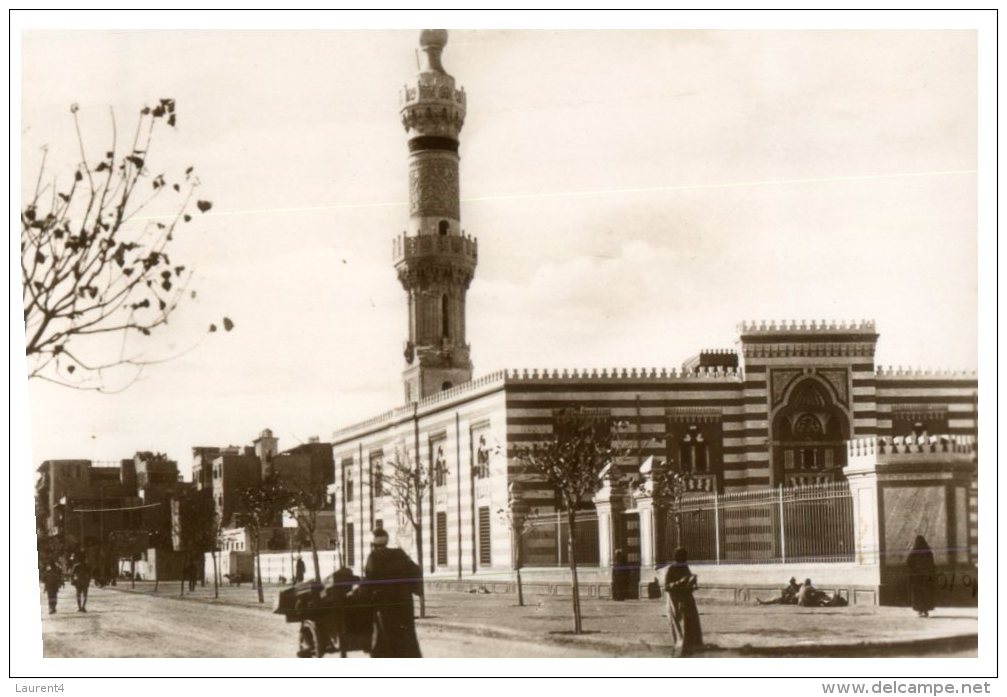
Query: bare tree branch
[92, 266]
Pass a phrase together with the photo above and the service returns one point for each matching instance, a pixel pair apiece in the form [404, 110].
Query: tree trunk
[157, 576]
[132, 571]
[419, 565]
[517, 566]
[314, 557]
[571, 537]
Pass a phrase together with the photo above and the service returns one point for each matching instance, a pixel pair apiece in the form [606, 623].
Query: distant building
[85, 504]
[226, 471]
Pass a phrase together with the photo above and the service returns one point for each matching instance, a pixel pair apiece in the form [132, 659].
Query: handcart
[333, 616]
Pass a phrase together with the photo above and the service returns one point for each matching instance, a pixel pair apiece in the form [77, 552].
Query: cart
[333, 617]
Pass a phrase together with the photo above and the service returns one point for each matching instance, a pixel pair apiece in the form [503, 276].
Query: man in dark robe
[390, 579]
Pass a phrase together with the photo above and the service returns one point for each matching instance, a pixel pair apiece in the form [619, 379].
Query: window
[485, 557]
[445, 386]
[692, 452]
[379, 524]
[443, 227]
[377, 473]
[482, 459]
[438, 463]
[442, 539]
[349, 488]
[350, 545]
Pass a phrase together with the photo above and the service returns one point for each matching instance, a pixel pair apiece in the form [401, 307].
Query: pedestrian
[299, 570]
[619, 572]
[52, 581]
[80, 577]
[391, 579]
[921, 572]
[683, 615]
[192, 575]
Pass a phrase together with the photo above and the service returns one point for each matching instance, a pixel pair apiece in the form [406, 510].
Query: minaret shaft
[434, 259]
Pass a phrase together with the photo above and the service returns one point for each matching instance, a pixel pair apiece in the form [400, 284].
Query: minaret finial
[432, 41]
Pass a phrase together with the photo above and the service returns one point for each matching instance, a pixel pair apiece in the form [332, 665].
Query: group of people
[80, 579]
[805, 595]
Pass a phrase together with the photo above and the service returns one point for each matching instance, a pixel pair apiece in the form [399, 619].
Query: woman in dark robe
[922, 570]
[683, 616]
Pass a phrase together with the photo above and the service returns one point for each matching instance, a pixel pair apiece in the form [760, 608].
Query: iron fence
[544, 540]
[786, 524]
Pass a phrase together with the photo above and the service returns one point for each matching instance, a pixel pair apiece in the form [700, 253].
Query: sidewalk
[639, 628]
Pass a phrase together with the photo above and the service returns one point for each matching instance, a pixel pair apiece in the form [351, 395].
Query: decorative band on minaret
[434, 259]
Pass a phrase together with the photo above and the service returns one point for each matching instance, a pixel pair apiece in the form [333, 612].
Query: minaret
[434, 259]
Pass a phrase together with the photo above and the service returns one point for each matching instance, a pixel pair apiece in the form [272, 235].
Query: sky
[635, 195]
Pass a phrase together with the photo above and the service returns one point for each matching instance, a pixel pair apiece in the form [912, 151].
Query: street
[121, 625]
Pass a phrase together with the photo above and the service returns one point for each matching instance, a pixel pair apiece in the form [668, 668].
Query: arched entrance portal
[809, 435]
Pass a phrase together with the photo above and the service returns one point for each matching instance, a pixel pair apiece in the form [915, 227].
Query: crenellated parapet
[803, 326]
[807, 339]
[639, 374]
[901, 372]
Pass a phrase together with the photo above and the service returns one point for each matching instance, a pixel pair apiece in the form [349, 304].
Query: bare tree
[95, 265]
[570, 460]
[261, 507]
[405, 482]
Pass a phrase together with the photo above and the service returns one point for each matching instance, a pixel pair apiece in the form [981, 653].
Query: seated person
[787, 597]
[809, 596]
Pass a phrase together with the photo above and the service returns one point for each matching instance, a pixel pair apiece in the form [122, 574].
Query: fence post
[716, 527]
[783, 536]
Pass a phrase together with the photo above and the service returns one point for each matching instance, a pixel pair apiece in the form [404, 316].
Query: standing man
[80, 577]
[52, 580]
[390, 581]
[299, 570]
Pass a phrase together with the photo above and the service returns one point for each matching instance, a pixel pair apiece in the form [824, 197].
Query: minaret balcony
[462, 249]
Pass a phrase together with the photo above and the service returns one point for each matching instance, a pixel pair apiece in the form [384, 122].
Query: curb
[952, 642]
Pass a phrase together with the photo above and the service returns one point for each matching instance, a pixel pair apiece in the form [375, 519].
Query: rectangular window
[438, 462]
[377, 474]
[350, 545]
[481, 456]
[485, 557]
[442, 539]
[349, 489]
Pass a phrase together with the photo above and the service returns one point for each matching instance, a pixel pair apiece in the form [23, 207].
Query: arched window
[692, 452]
[443, 227]
[445, 386]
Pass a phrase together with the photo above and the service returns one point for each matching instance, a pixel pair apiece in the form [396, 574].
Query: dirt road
[119, 625]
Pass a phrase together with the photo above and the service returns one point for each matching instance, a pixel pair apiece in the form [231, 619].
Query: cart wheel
[310, 646]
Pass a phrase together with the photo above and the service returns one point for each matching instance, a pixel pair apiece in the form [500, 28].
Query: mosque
[802, 456]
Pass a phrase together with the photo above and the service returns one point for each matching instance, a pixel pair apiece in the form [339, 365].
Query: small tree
[570, 460]
[303, 499]
[95, 256]
[195, 528]
[515, 517]
[405, 482]
[260, 507]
